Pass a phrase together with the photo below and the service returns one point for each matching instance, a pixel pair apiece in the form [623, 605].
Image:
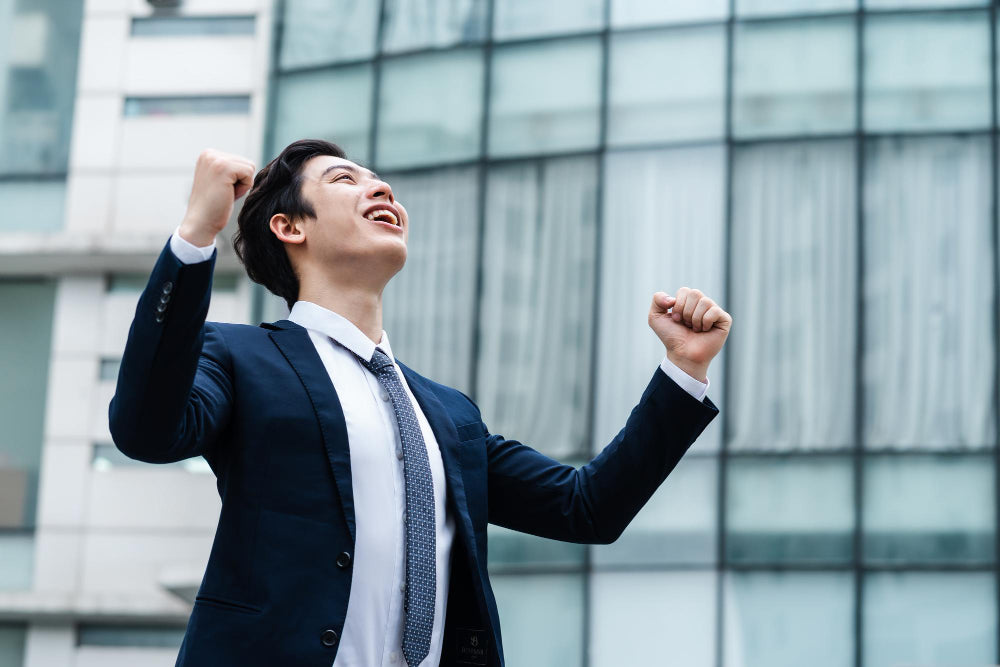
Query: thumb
[662, 302]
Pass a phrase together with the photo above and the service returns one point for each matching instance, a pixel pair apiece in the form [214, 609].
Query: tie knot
[380, 361]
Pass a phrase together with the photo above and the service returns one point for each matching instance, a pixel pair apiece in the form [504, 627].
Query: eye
[343, 176]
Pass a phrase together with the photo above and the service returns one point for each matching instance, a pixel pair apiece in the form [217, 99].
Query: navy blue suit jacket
[258, 404]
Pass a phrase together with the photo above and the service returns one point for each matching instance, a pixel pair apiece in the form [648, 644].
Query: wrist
[699, 371]
[196, 235]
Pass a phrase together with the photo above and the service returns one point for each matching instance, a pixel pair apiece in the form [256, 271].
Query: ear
[286, 230]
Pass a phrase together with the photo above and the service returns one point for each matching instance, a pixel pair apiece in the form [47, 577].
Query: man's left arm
[533, 493]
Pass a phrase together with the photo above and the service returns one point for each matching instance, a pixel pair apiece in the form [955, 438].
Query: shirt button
[393, 657]
[402, 588]
[385, 396]
[399, 454]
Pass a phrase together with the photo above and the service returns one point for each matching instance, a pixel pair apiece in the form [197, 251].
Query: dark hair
[277, 188]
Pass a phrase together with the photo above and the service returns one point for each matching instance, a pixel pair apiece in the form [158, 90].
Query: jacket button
[159, 317]
[167, 287]
[329, 638]
[161, 307]
[344, 560]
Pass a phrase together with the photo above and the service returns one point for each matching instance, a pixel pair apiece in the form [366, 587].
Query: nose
[381, 190]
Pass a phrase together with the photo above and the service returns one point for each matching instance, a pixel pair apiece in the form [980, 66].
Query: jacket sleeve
[533, 493]
[175, 389]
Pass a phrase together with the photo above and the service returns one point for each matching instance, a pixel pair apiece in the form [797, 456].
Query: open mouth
[383, 215]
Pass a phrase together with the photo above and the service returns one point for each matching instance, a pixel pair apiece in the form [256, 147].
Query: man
[356, 492]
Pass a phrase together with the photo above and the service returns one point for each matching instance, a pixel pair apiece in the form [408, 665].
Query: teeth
[383, 212]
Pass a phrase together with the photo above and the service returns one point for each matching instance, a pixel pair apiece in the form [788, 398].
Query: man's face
[358, 222]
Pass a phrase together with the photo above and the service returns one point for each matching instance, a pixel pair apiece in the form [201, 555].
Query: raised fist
[219, 180]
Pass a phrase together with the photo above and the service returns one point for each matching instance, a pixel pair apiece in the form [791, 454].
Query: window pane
[17, 561]
[643, 12]
[128, 635]
[779, 7]
[794, 77]
[12, 639]
[790, 509]
[651, 200]
[163, 26]
[789, 619]
[929, 509]
[331, 104]
[542, 618]
[417, 24]
[511, 551]
[927, 72]
[430, 108]
[39, 42]
[24, 358]
[42, 202]
[678, 524]
[527, 18]
[429, 305]
[907, 4]
[667, 85]
[929, 619]
[928, 286]
[639, 617]
[545, 97]
[794, 240]
[326, 31]
[537, 305]
[177, 106]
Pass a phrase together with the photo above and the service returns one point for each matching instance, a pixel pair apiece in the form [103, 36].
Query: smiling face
[359, 226]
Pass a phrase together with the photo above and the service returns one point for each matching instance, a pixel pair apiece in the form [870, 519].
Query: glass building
[826, 171]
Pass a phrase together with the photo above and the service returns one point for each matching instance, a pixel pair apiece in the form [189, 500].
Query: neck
[360, 304]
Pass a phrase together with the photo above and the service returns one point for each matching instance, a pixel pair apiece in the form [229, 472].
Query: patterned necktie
[421, 554]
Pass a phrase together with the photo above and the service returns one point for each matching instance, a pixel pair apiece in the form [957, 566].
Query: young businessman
[356, 492]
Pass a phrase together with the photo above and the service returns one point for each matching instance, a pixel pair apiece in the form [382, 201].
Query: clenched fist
[219, 180]
[693, 331]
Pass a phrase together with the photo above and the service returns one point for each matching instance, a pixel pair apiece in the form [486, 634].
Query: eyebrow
[348, 167]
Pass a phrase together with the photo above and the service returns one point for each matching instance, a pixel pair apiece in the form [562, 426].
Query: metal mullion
[376, 64]
[858, 487]
[992, 17]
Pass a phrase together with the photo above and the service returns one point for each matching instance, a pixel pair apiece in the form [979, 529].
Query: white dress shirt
[373, 628]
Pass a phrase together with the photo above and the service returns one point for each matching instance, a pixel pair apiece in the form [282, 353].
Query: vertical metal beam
[376, 81]
[996, 311]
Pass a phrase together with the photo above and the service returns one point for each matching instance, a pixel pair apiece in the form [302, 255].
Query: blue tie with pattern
[421, 554]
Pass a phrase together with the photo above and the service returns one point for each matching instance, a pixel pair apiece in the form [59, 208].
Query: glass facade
[825, 169]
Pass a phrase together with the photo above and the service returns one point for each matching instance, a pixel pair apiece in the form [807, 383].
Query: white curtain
[663, 229]
[537, 307]
[794, 287]
[929, 319]
[428, 306]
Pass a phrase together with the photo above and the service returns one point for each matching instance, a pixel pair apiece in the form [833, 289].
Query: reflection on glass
[511, 551]
[537, 303]
[794, 238]
[788, 619]
[545, 97]
[430, 108]
[654, 201]
[794, 77]
[625, 13]
[780, 7]
[928, 364]
[542, 618]
[677, 526]
[932, 618]
[314, 32]
[667, 85]
[789, 509]
[418, 24]
[926, 72]
[929, 509]
[331, 104]
[429, 305]
[638, 618]
[528, 18]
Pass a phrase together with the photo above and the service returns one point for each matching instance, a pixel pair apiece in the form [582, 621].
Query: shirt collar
[339, 328]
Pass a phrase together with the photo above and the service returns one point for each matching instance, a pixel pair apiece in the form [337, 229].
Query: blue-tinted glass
[418, 24]
[928, 361]
[789, 619]
[109, 368]
[626, 13]
[430, 108]
[39, 42]
[511, 551]
[193, 105]
[325, 31]
[789, 509]
[528, 18]
[927, 71]
[545, 97]
[12, 639]
[794, 225]
[41, 201]
[162, 26]
[333, 104]
[17, 555]
[918, 4]
[667, 85]
[130, 635]
[929, 509]
[429, 304]
[779, 7]
[652, 618]
[918, 618]
[542, 618]
[537, 303]
[794, 77]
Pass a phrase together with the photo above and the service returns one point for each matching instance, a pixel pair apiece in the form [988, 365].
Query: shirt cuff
[696, 388]
[187, 252]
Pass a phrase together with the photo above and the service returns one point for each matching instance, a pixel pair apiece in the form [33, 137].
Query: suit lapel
[294, 343]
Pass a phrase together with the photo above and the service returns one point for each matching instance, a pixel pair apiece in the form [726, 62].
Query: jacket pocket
[227, 605]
